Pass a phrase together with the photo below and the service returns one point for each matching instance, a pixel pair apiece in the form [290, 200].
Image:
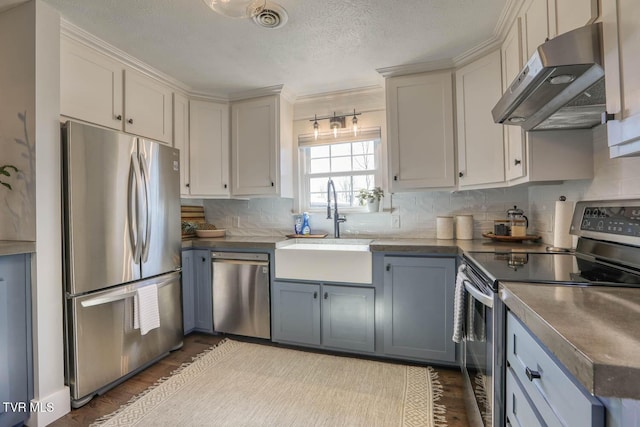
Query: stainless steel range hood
[560, 87]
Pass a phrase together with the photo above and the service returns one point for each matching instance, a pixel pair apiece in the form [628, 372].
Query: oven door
[479, 355]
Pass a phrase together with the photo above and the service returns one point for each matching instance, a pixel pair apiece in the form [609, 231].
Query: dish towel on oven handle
[146, 315]
[458, 304]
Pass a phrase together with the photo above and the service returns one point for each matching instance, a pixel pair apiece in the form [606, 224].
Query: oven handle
[475, 292]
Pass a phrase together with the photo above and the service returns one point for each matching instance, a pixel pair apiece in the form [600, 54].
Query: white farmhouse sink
[331, 260]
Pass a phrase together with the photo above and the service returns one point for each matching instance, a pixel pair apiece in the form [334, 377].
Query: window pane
[318, 185]
[319, 151]
[341, 149]
[365, 147]
[363, 181]
[342, 183]
[340, 164]
[318, 199]
[345, 198]
[363, 163]
[320, 165]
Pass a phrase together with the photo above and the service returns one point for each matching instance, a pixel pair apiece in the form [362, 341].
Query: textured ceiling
[327, 45]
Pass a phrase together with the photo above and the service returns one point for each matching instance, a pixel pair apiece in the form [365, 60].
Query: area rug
[244, 384]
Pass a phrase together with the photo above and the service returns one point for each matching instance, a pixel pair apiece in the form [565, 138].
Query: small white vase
[373, 206]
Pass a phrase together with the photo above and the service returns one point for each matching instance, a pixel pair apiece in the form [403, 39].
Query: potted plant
[371, 198]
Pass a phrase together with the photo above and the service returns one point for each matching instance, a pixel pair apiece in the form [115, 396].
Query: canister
[464, 227]
[444, 227]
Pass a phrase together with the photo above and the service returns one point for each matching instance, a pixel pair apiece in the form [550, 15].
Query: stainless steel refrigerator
[121, 234]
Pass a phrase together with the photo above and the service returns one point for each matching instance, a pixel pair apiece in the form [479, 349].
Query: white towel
[146, 315]
[458, 304]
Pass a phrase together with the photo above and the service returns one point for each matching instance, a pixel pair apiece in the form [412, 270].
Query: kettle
[518, 222]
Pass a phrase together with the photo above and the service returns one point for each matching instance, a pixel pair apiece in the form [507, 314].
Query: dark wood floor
[451, 379]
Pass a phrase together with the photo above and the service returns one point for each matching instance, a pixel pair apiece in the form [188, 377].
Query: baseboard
[49, 408]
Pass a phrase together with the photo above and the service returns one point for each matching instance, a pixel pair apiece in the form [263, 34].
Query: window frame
[305, 176]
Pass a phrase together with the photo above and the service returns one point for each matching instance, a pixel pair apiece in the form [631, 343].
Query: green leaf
[6, 185]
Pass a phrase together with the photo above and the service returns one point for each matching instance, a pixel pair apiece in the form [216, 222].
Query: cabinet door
[622, 60]
[203, 314]
[181, 138]
[16, 380]
[90, 85]
[348, 318]
[188, 296]
[420, 133]
[520, 410]
[295, 313]
[480, 140]
[209, 148]
[418, 308]
[568, 15]
[535, 25]
[147, 107]
[254, 146]
[512, 61]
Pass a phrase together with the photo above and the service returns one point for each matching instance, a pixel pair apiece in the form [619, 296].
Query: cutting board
[191, 214]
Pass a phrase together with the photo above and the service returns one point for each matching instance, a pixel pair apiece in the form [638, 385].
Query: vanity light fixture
[336, 123]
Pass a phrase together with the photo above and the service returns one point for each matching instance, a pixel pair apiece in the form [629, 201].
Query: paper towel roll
[561, 225]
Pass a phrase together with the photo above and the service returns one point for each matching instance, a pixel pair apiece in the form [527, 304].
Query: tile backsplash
[413, 214]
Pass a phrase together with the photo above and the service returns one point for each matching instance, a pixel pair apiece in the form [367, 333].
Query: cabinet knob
[606, 117]
[326, 295]
[204, 259]
[315, 295]
[388, 267]
[460, 174]
[187, 185]
[395, 177]
[119, 117]
[532, 375]
[225, 186]
[517, 162]
[272, 183]
[130, 121]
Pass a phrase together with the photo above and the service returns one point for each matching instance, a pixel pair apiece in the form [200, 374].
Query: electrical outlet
[395, 221]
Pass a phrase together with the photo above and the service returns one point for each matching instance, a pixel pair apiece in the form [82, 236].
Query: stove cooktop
[557, 268]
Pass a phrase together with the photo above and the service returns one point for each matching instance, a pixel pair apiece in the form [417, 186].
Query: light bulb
[335, 130]
[315, 127]
[355, 124]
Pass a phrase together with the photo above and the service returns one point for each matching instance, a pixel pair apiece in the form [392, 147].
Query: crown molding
[207, 96]
[256, 93]
[506, 18]
[364, 100]
[80, 35]
[344, 93]
[421, 67]
[477, 51]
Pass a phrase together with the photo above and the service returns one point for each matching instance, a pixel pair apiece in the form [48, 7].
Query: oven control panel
[620, 220]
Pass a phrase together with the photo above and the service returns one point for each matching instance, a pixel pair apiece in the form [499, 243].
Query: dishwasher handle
[239, 256]
[241, 262]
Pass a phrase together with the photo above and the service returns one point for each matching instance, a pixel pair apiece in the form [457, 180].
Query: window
[352, 166]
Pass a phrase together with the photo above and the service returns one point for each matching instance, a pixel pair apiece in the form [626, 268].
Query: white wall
[29, 36]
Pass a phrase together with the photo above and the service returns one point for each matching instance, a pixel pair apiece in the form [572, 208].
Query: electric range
[607, 254]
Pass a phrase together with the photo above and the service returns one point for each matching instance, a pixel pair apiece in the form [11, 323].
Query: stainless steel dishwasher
[241, 293]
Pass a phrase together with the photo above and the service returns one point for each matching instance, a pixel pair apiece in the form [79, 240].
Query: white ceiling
[326, 46]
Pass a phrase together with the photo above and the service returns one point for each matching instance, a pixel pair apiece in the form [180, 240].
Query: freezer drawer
[241, 294]
[102, 344]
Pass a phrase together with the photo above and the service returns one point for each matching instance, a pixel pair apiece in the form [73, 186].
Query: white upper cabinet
[420, 131]
[91, 85]
[98, 89]
[620, 20]
[181, 138]
[261, 147]
[480, 140]
[208, 149]
[535, 25]
[567, 15]
[147, 107]
[514, 139]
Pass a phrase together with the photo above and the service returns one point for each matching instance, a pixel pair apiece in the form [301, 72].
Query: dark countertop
[233, 242]
[593, 331]
[14, 247]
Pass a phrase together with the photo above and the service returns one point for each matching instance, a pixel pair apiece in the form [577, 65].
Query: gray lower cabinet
[333, 316]
[197, 300]
[544, 392]
[295, 313]
[418, 308]
[16, 371]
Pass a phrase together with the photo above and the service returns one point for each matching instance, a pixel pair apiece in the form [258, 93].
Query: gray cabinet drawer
[520, 410]
[559, 399]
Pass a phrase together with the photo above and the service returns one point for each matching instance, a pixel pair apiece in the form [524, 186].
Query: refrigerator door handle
[147, 211]
[135, 194]
[123, 294]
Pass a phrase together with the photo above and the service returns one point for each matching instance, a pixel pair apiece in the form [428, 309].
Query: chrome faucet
[337, 219]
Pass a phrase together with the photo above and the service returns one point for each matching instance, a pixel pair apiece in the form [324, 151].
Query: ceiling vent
[271, 16]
